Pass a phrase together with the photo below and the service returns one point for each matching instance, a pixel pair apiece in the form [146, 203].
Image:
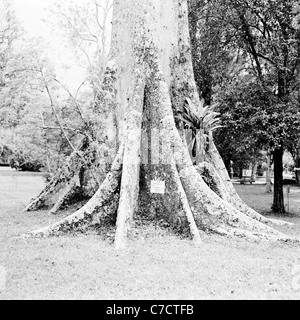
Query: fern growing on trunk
[199, 124]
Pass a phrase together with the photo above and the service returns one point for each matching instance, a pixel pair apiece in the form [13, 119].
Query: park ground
[156, 265]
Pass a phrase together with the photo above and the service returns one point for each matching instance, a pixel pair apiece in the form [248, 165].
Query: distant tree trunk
[278, 200]
[241, 169]
[297, 171]
[151, 75]
[269, 174]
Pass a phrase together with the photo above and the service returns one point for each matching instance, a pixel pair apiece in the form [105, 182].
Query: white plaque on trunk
[158, 187]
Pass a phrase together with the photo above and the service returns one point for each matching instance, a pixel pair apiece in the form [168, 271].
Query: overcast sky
[32, 14]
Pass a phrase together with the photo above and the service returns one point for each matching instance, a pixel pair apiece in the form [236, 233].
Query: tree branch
[57, 118]
[73, 98]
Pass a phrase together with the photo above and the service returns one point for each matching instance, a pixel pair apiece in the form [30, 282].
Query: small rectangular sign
[247, 173]
[158, 187]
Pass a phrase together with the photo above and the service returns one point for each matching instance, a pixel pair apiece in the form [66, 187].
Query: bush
[19, 163]
[5, 154]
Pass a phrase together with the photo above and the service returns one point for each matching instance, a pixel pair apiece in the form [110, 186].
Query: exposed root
[230, 193]
[279, 222]
[218, 185]
[64, 176]
[39, 201]
[245, 234]
[186, 207]
[208, 208]
[93, 207]
[66, 194]
[131, 162]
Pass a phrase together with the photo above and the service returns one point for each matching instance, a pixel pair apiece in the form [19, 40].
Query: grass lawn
[255, 196]
[156, 264]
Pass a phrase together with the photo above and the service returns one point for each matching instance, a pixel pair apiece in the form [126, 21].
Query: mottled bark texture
[152, 77]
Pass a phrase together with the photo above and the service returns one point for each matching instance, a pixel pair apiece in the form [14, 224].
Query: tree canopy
[251, 50]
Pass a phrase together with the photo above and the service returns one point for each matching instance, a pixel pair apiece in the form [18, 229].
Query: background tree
[44, 120]
[10, 33]
[264, 37]
[86, 28]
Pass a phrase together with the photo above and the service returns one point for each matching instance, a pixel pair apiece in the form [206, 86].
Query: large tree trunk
[153, 75]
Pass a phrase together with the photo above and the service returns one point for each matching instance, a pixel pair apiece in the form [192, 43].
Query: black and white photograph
[149, 151]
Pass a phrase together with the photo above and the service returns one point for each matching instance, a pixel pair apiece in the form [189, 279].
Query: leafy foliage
[199, 122]
[255, 45]
[46, 119]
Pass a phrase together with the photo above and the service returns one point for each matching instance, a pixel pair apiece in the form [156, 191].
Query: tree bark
[66, 193]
